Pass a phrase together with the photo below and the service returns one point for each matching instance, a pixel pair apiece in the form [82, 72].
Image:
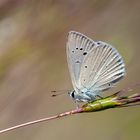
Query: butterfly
[94, 67]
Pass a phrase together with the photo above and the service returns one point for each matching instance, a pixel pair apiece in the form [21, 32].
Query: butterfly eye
[72, 94]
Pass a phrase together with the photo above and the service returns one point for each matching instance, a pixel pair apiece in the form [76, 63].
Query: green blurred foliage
[33, 37]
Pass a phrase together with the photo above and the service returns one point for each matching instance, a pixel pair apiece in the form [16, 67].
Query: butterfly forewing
[78, 46]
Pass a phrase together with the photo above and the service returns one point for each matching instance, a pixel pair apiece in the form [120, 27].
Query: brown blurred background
[33, 37]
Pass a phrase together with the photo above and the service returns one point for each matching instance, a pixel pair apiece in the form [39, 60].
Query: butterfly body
[94, 66]
[83, 96]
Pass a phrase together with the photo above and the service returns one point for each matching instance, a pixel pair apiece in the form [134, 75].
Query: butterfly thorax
[82, 96]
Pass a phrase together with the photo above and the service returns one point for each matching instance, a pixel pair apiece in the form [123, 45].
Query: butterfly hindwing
[102, 69]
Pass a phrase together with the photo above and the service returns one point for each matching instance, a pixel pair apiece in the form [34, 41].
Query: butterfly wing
[102, 69]
[78, 46]
[94, 66]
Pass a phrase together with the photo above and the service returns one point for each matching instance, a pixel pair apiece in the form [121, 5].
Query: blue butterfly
[94, 66]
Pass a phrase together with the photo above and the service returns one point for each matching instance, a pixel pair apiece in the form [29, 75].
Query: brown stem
[79, 110]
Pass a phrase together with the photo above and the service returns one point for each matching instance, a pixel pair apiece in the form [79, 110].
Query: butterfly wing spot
[91, 47]
[85, 53]
[110, 49]
[104, 46]
[77, 62]
[85, 66]
[98, 43]
[118, 79]
[81, 49]
[76, 48]
[119, 60]
[72, 51]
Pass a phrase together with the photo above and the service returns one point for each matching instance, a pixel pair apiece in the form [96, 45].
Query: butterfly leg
[77, 105]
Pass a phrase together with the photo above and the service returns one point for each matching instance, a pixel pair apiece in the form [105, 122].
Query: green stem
[111, 102]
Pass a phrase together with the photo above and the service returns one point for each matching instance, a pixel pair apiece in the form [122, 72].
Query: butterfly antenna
[58, 92]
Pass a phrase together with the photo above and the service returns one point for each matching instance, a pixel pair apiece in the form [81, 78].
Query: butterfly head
[79, 97]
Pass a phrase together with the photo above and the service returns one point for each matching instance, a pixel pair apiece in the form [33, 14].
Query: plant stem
[79, 110]
[112, 101]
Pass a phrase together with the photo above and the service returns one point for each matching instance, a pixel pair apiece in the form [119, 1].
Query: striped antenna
[58, 92]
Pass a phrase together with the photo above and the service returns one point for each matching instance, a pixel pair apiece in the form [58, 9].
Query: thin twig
[79, 110]
[112, 101]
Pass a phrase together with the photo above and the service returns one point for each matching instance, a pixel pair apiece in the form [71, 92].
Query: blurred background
[33, 37]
